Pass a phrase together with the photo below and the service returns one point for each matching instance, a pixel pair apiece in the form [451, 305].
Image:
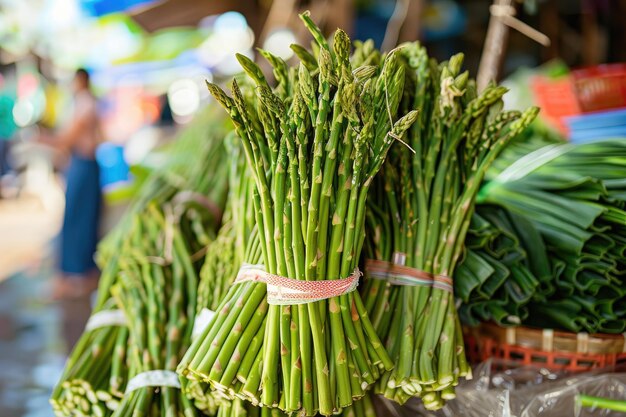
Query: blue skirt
[79, 235]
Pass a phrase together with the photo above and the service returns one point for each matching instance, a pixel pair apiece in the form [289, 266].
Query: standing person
[79, 234]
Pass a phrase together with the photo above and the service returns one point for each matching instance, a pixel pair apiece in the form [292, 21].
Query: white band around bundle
[106, 318]
[289, 291]
[159, 378]
[201, 322]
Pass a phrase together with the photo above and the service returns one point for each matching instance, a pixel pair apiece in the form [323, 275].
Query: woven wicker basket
[555, 350]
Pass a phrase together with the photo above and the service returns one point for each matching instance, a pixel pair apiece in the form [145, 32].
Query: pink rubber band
[289, 291]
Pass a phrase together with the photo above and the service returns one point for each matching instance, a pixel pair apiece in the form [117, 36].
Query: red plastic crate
[556, 98]
[601, 87]
[554, 350]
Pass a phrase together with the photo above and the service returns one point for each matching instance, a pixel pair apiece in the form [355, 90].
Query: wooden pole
[550, 25]
[412, 28]
[392, 34]
[279, 16]
[495, 45]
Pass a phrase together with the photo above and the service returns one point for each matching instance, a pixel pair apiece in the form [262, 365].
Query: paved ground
[27, 226]
[35, 337]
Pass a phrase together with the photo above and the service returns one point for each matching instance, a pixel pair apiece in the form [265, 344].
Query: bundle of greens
[222, 262]
[505, 266]
[420, 211]
[238, 225]
[157, 293]
[239, 408]
[237, 240]
[575, 196]
[96, 372]
[314, 144]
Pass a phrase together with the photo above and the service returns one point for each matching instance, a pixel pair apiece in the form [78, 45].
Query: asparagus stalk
[428, 191]
[97, 371]
[159, 301]
[313, 157]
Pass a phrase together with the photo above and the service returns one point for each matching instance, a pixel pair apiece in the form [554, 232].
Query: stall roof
[167, 13]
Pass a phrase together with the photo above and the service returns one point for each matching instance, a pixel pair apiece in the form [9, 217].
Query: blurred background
[147, 62]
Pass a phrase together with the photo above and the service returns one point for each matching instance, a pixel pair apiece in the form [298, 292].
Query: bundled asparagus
[237, 240]
[158, 296]
[221, 265]
[313, 157]
[419, 214]
[99, 370]
[96, 373]
[575, 196]
[239, 408]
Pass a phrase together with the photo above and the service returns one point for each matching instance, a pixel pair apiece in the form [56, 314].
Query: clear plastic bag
[521, 391]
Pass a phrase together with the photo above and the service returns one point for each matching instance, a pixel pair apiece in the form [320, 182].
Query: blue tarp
[600, 125]
[103, 7]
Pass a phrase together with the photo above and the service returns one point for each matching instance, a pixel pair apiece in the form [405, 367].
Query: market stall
[353, 235]
[343, 229]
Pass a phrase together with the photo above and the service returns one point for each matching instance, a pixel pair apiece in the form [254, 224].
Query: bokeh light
[229, 34]
[184, 97]
[24, 112]
[278, 42]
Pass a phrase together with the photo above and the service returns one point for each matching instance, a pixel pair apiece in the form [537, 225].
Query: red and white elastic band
[397, 274]
[289, 291]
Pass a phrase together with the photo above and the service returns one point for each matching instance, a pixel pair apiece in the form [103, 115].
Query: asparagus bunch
[419, 214]
[96, 373]
[158, 295]
[314, 144]
[237, 240]
[239, 408]
[223, 259]
[221, 265]
[575, 196]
